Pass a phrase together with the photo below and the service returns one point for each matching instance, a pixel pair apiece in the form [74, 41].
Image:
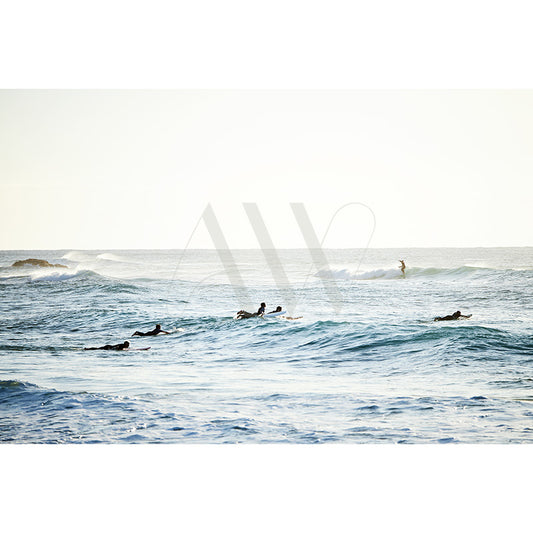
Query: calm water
[365, 364]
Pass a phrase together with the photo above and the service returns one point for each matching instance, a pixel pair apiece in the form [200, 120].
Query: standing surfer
[402, 267]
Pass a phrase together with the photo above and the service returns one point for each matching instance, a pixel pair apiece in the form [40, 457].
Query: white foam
[113, 257]
[348, 274]
[54, 275]
[395, 273]
[78, 257]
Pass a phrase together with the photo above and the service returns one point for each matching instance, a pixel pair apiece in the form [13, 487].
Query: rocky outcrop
[36, 262]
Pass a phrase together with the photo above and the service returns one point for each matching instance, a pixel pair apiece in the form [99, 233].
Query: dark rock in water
[36, 262]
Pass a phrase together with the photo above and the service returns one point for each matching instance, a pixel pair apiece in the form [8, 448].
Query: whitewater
[365, 363]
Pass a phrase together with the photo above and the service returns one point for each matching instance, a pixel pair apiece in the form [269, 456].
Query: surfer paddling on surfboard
[276, 313]
[246, 314]
[279, 312]
[155, 331]
[124, 346]
[456, 316]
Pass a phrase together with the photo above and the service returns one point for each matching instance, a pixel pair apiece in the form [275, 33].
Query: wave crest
[55, 275]
[395, 273]
[113, 257]
[78, 257]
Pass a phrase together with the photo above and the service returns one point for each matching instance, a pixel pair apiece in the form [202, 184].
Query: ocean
[365, 363]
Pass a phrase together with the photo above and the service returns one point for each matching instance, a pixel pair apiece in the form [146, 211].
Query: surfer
[402, 266]
[456, 316]
[123, 346]
[280, 310]
[246, 314]
[155, 331]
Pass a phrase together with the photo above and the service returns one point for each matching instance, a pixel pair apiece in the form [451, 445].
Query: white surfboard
[269, 315]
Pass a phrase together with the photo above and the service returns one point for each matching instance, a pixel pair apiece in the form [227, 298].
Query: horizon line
[260, 249]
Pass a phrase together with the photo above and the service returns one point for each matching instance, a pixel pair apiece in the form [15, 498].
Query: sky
[108, 169]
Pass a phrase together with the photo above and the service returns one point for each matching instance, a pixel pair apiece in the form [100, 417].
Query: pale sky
[89, 169]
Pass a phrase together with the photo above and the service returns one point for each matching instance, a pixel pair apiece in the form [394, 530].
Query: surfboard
[266, 315]
[269, 315]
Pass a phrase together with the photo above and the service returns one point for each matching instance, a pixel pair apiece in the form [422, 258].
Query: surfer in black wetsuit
[456, 316]
[124, 346]
[246, 314]
[155, 331]
[279, 310]
[402, 266]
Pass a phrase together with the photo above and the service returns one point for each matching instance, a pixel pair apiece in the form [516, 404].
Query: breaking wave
[78, 257]
[411, 272]
[113, 257]
[49, 274]
[55, 275]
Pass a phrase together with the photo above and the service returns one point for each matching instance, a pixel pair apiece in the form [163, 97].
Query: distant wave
[395, 273]
[48, 274]
[55, 275]
[78, 257]
[40, 274]
[348, 274]
[84, 257]
[64, 274]
[113, 257]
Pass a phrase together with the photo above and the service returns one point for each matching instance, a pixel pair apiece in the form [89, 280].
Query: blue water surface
[366, 363]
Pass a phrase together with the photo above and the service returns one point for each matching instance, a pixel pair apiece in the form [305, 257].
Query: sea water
[365, 363]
